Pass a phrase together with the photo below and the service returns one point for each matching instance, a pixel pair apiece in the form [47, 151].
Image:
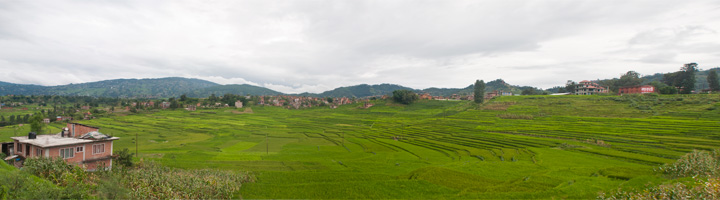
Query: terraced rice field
[510, 147]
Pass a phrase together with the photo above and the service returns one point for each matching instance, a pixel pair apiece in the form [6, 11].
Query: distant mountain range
[136, 88]
[176, 86]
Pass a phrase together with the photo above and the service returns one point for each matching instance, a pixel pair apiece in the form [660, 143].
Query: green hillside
[360, 91]
[136, 88]
[497, 84]
[243, 89]
[517, 147]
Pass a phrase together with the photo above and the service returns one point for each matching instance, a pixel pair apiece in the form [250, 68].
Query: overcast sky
[314, 46]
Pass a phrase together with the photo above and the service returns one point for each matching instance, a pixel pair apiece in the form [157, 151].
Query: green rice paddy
[510, 147]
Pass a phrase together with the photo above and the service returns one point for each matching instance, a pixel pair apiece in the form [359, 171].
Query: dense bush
[702, 166]
[153, 181]
[56, 171]
[123, 158]
[696, 163]
[405, 96]
[20, 184]
[709, 189]
[145, 181]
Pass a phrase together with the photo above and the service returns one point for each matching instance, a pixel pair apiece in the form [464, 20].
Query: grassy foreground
[511, 147]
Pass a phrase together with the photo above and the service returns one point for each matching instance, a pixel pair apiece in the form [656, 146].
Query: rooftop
[55, 140]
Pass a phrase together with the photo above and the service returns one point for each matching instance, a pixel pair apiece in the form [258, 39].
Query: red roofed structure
[640, 89]
[589, 88]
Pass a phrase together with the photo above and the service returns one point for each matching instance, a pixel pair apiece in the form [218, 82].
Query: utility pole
[136, 144]
[267, 144]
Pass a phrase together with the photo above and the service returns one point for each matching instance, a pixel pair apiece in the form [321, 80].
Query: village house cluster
[590, 88]
[298, 102]
[488, 95]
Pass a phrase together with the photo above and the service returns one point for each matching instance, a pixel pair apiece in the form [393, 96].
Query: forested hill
[360, 91]
[700, 78]
[365, 90]
[176, 86]
[498, 84]
[243, 89]
[141, 88]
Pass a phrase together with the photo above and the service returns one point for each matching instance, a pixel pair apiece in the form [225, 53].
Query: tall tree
[570, 86]
[687, 76]
[36, 124]
[712, 79]
[529, 91]
[479, 91]
[672, 79]
[631, 78]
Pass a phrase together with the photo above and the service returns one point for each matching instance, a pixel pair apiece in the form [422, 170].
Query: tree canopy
[479, 91]
[36, 123]
[683, 79]
[631, 78]
[712, 79]
[687, 76]
[405, 96]
[570, 86]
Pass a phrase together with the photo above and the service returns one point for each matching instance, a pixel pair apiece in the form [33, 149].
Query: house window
[67, 153]
[98, 148]
[19, 148]
[79, 149]
[38, 152]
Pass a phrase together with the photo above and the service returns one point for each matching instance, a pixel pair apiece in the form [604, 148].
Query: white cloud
[313, 46]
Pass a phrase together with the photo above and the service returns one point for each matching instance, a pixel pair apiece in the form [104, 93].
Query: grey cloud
[297, 46]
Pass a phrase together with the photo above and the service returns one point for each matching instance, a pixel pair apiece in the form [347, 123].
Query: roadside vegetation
[53, 179]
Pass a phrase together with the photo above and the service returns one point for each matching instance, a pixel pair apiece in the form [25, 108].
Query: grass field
[510, 147]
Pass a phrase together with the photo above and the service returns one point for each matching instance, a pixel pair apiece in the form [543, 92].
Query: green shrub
[702, 166]
[696, 163]
[123, 158]
[18, 184]
[153, 181]
[56, 171]
[700, 189]
[147, 181]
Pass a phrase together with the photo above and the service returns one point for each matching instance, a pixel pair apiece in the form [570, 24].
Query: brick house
[426, 96]
[77, 144]
[492, 94]
[589, 88]
[641, 89]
